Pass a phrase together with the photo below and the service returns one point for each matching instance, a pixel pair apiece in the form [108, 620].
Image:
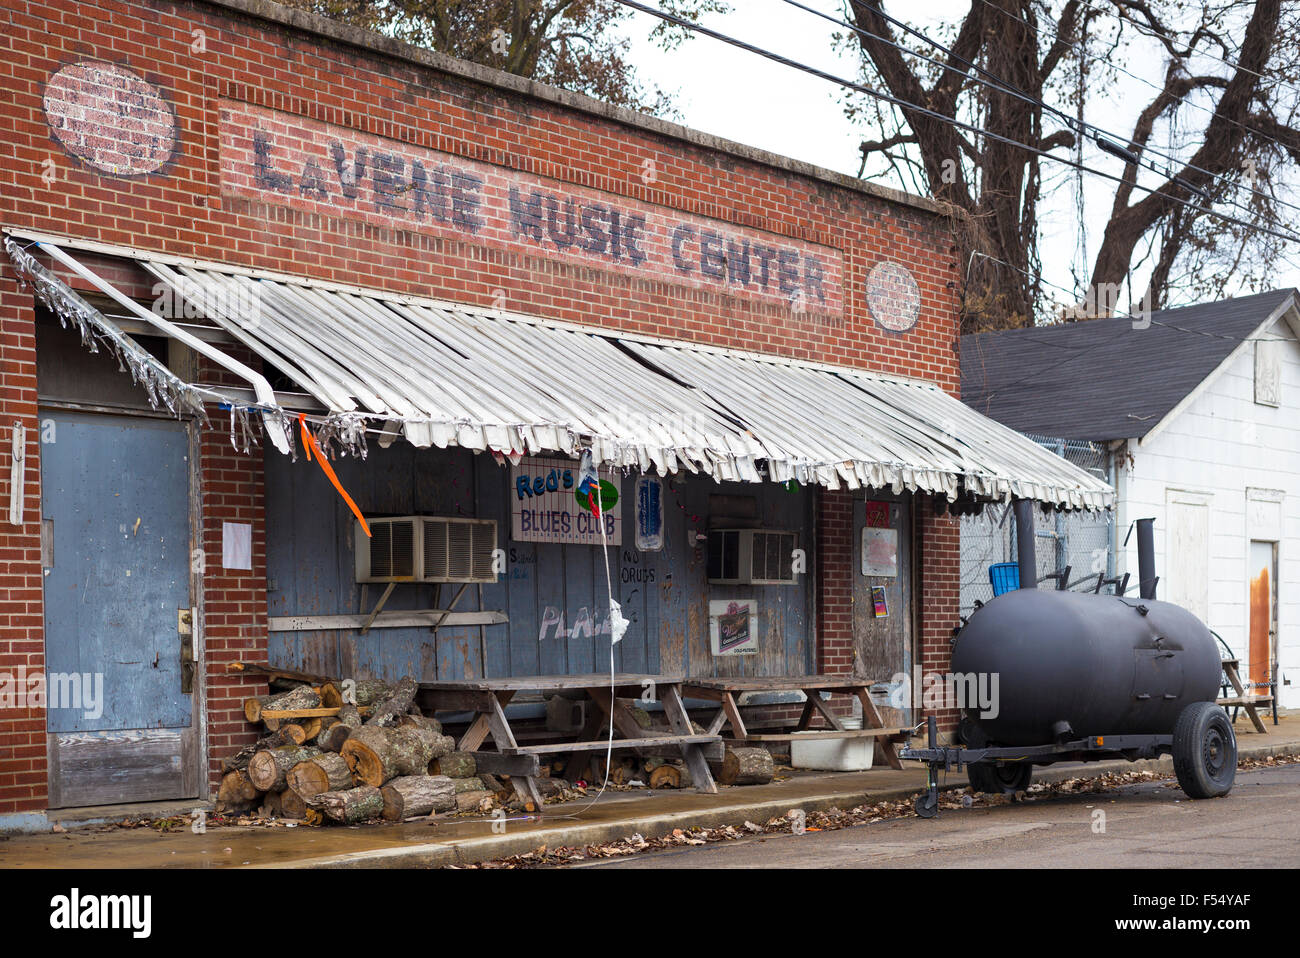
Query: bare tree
[566, 43]
[1221, 130]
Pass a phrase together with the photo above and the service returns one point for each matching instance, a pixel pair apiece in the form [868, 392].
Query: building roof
[1104, 379]
[443, 374]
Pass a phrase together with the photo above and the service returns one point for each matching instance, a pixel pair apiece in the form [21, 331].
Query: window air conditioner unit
[391, 553]
[751, 557]
[425, 549]
[459, 550]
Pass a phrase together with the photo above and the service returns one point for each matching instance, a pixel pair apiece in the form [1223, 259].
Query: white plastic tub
[833, 754]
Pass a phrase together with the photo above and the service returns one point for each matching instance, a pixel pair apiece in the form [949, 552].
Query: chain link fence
[1081, 540]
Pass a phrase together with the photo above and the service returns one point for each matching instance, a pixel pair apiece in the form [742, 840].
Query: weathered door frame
[909, 565]
[195, 771]
[1265, 522]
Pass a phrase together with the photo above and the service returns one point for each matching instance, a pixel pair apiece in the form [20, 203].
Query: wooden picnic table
[1250, 701]
[725, 689]
[488, 697]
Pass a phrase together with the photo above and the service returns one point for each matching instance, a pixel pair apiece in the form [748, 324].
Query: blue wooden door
[115, 505]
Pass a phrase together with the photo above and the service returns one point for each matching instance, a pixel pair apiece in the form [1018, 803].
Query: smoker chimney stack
[1025, 550]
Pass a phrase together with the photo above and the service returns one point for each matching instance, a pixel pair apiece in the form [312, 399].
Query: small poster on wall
[877, 514]
[547, 505]
[880, 552]
[733, 626]
[649, 514]
[879, 607]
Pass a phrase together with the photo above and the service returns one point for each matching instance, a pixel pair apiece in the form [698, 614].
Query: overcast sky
[747, 98]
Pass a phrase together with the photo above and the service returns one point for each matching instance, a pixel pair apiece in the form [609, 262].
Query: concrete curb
[487, 848]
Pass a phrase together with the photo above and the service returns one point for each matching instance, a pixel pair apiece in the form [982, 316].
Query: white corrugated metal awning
[446, 375]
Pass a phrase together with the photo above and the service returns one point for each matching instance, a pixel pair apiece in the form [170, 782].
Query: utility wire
[925, 111]
[1056, 30]
[1152, 32]
[1079, 127]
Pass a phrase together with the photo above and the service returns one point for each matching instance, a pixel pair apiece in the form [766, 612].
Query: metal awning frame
[748, 413]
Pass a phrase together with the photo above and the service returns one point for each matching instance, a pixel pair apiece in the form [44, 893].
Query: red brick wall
[939, 590]
[234, 601]
[22, 730]
[181, 208]
[834, 587]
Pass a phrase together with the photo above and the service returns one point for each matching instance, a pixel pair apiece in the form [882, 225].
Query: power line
[1056, 29]
[1156, 34]
[925, 111]
[1079, 127]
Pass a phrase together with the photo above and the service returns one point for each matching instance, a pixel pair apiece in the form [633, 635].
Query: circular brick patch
[112, 119]
[893, 296]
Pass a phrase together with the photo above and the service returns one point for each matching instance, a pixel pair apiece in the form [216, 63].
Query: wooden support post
[871, 719]
[525, 785]
[680, 722]
[379, 607]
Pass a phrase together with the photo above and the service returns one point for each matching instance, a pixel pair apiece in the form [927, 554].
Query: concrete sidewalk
[457, 841]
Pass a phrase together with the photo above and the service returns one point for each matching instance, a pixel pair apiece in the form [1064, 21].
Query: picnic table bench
[725, 689]
[1250, 701]
[488, 697]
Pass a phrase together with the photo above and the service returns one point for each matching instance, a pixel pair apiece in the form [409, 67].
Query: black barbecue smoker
[1083, 677]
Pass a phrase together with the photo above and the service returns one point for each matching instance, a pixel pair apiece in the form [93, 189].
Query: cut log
[332, 739]
[370, 691]
[394, 704]
[270, 807]
[551, 786]
[267, 770]
[378, 755]
[747, 766]
[330, 696]
[293, 733]
[359, 804]
[454, 765]
[236, 790]
[292, 805]
[241, 758]
[473, 801]
[326, 772]
[310, 728]
[303, 697]
[474, 784]
[420, 721]
[412, 795]
[253, 707]
[670, 776]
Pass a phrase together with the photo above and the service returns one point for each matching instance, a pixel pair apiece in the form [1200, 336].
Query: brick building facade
[243, 133]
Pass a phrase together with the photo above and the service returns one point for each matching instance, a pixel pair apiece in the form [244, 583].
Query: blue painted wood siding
[664, 594]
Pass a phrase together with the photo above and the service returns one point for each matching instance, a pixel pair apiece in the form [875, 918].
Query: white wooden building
[1201, 410]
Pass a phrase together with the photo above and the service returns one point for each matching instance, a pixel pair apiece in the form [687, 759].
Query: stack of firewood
[324, 760]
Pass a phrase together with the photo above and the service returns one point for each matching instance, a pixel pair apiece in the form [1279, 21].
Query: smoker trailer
[1084, 677]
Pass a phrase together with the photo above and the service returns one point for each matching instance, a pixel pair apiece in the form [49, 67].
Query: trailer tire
[999, 778]
[1205, 751]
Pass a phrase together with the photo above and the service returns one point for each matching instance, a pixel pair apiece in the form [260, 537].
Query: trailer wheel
[1205, 751]
[998, 778]
[926, 805]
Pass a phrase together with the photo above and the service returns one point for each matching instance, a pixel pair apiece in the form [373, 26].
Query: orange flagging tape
[309, 443]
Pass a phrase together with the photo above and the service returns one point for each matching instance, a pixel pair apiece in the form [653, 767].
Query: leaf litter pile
[835, 818]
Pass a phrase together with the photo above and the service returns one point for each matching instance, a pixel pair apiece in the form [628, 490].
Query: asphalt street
[1149, 825]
